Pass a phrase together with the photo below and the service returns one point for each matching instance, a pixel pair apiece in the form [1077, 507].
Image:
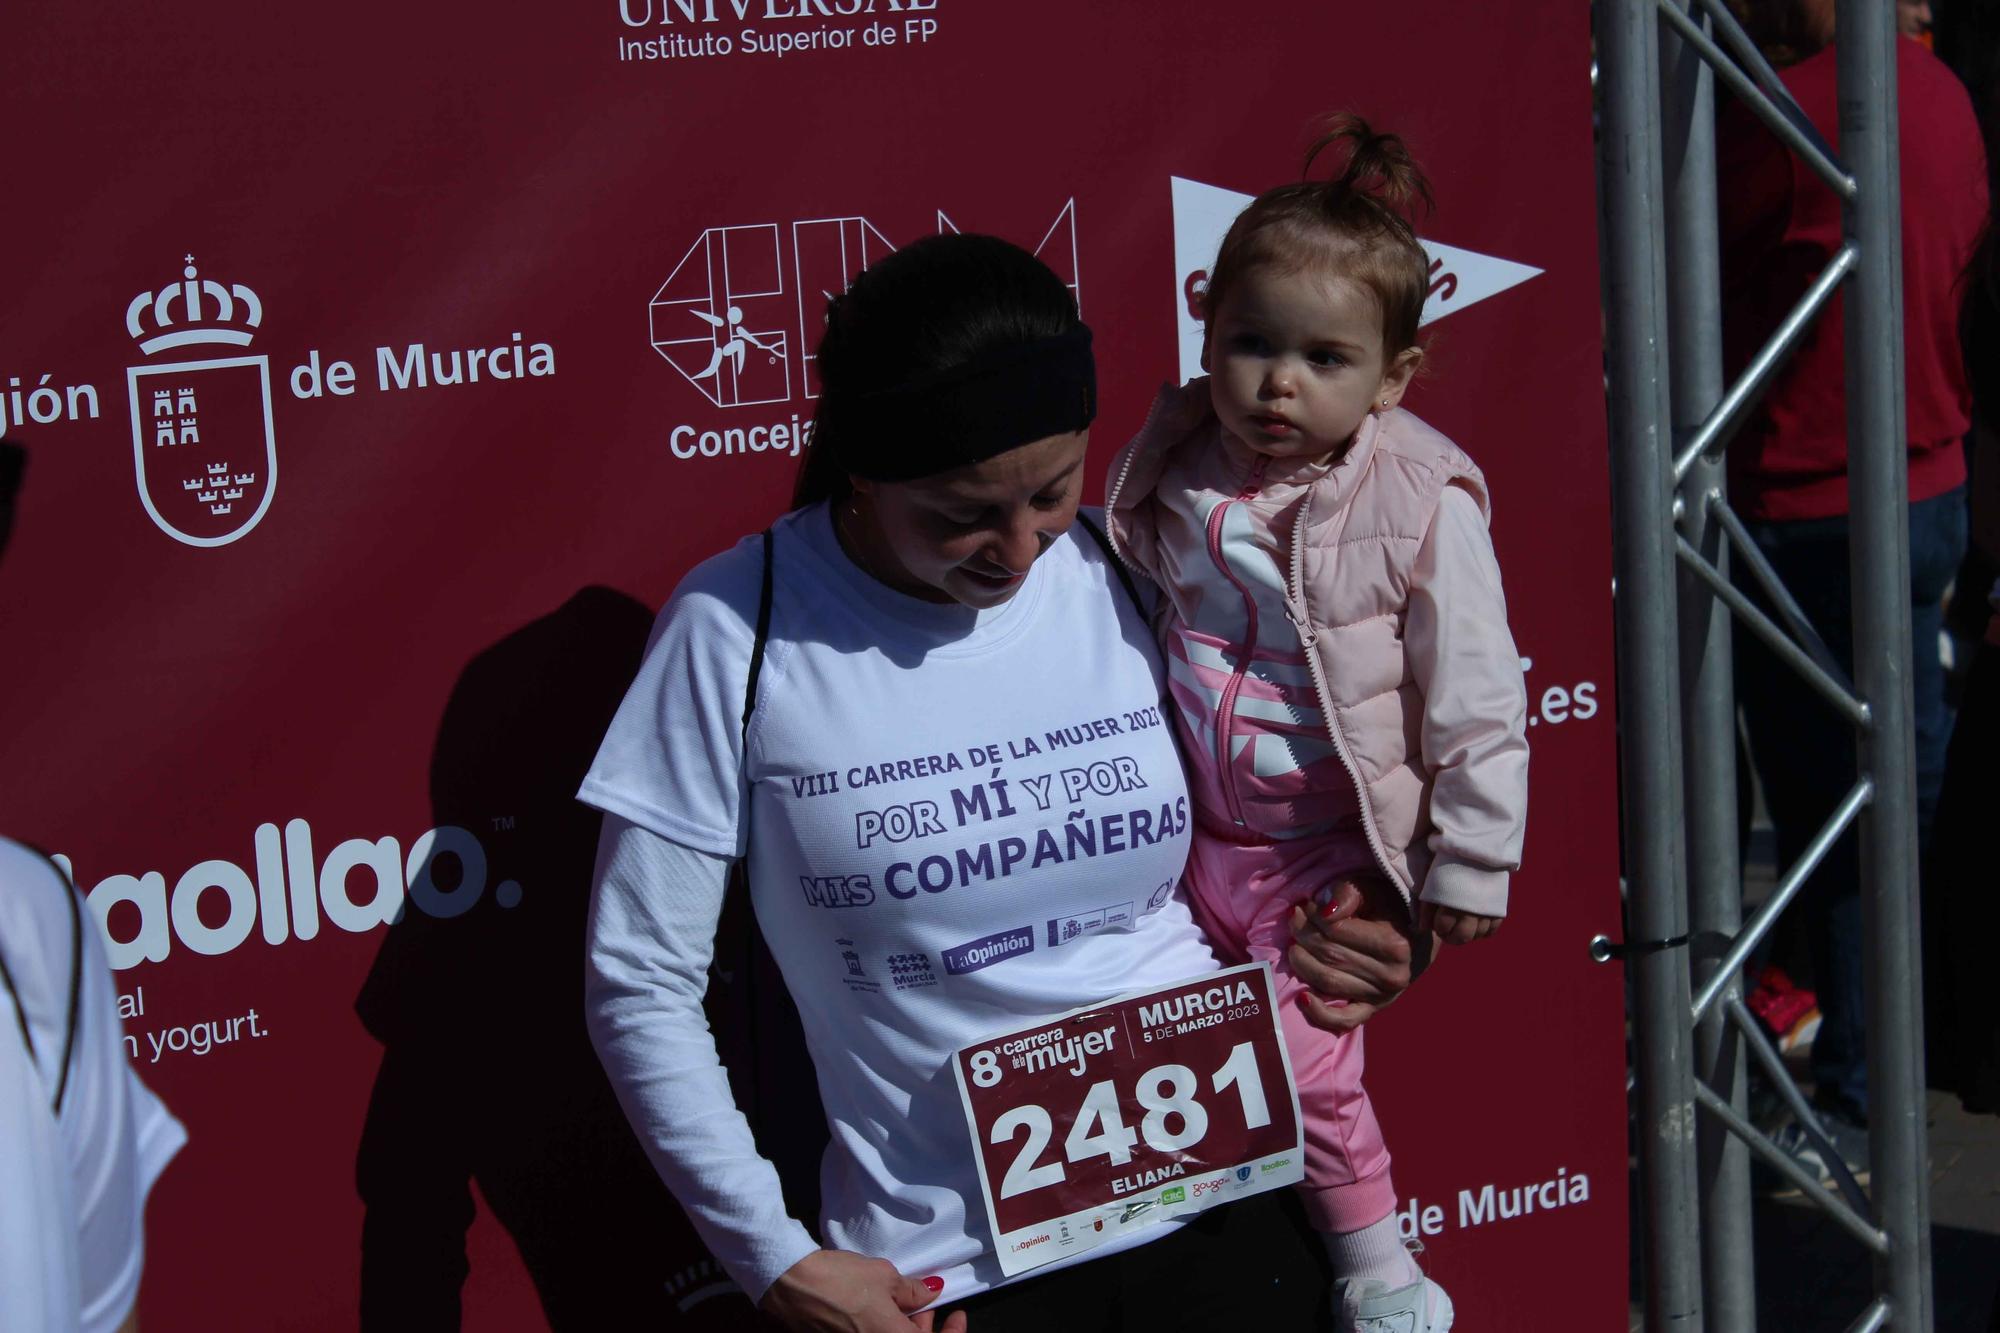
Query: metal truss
[1675, 536]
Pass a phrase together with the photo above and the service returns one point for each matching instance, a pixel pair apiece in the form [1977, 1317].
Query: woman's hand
[835, 1291]
[1358, 951]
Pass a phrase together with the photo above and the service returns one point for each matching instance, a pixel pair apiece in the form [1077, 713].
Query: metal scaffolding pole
[1708, 699]
[1879, 545]
[1635, 301]
[1678, 709]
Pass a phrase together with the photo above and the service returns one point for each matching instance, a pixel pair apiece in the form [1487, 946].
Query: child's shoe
[1364, 1305]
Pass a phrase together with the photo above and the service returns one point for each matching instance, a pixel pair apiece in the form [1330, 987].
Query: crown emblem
[193, 310]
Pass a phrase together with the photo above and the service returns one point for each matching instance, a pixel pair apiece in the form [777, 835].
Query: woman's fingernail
[934, 1285]
[1329, 911]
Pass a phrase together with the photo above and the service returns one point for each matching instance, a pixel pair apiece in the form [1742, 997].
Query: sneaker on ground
[1849, 1139]
[1364, 1305]
[1798, 1038]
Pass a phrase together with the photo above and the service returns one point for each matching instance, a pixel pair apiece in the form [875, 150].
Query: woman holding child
[935, 597]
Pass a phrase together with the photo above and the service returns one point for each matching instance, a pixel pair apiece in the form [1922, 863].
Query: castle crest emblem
[204, 453]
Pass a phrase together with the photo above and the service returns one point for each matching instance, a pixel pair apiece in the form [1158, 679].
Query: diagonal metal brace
[1752, 934]
[1729, 34]
[1714, 433]
[1802, 631]
[1854, 710]
[1874, 1317]
[1810, 149]
[1831, 1204]
[1781, 1079]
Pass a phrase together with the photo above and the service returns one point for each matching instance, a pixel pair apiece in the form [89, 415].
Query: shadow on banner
[487, 1073]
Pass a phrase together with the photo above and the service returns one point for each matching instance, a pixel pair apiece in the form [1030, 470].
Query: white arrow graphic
[1202, 214]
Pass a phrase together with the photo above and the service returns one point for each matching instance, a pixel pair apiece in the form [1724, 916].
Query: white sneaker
[1365, 1305]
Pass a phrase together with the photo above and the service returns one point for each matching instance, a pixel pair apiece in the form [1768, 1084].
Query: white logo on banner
[697, 317]
[358, 885]
[715, 319]
[204, 453]
[1202, 214]
[854, 26]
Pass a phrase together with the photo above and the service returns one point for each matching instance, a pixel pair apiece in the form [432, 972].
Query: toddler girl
[1349, 694]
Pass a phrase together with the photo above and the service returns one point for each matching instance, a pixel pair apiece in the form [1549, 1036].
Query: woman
[945, 642]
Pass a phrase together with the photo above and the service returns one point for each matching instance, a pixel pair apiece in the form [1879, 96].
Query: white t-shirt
[72, 1186]
[961, 823]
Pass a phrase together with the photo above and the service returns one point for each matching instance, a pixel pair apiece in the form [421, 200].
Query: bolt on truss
[1672, 417]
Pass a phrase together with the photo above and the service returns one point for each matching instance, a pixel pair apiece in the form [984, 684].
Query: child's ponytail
[1379, 168]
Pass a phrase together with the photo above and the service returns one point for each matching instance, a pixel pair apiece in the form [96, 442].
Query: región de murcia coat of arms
[203, 450]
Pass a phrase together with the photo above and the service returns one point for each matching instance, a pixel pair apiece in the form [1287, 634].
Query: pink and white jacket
[1395, 598]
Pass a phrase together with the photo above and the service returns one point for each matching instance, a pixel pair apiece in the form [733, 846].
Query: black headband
[995, 402]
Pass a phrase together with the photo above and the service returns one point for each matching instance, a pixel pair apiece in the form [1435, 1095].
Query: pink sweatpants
[1243, 897]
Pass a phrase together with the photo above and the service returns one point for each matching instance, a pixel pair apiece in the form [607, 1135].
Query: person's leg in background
[1937, 544]
[1937, 549]
[1804, 753]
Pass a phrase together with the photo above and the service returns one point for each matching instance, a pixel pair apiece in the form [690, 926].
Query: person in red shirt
[1780, 226]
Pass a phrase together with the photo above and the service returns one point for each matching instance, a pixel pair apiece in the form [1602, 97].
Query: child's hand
[1453, 926]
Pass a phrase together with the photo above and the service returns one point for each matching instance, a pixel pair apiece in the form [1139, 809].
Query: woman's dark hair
[928, 308]
[1356, 225]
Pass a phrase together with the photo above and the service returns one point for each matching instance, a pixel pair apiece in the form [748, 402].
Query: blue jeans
[1805, 752]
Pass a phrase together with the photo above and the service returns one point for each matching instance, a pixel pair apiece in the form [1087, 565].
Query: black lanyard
[75, 992]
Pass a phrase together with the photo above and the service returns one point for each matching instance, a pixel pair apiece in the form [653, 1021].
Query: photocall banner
[381, 368]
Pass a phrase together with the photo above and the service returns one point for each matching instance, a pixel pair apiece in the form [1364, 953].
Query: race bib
[1138, 1109]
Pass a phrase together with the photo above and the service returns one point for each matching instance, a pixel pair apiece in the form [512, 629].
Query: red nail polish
[1330, 911]
[934, 1285]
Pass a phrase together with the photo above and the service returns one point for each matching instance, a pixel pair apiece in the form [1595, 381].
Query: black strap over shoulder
[75, 991]
[757, 645]
[1111, 558]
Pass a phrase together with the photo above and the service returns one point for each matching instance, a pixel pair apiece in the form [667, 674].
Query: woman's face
[968, 536]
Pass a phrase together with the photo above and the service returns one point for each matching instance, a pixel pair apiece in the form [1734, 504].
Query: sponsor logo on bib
[988, 950]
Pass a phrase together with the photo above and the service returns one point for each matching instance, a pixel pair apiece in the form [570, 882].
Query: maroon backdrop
[319, 636]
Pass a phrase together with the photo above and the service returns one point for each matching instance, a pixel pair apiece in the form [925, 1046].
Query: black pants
[1249, 1265]
[1805, 754]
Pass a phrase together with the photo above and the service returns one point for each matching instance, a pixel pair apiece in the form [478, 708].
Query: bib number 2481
[1174, 1118]
[1161, 1102]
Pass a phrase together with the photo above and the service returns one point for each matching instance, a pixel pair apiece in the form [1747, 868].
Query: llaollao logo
[359, 885]
[204, 449]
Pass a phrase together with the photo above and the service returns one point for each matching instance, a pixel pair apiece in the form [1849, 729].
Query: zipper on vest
[1122, 469]
[1225, 707]
[1302, 622]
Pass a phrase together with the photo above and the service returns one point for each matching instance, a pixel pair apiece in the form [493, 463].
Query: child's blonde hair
[1354, 225]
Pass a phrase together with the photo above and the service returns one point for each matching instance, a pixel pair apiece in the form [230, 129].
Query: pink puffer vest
[1354, 545]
